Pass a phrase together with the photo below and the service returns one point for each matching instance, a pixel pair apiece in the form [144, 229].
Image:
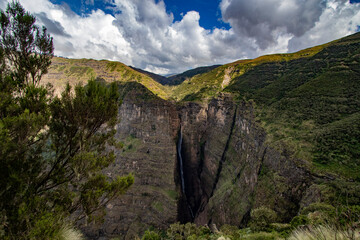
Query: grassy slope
[179, 78]
[311, 105]
[204, 86]
[81, 70]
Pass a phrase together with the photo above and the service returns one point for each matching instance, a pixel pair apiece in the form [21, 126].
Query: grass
[201, 87]
[69, 233]
[323, 233]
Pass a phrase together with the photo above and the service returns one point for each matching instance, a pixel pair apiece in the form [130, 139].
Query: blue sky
[208, 9]
[210, 13]
[171, 36]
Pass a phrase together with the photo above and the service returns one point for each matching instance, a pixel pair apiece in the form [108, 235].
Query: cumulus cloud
[339, 18]
[53, 27]
[303, 22]
[142, 33]
[261, 20]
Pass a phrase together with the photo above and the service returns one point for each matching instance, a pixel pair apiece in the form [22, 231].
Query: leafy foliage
[52, 150]
[29, 49]
[261, 218]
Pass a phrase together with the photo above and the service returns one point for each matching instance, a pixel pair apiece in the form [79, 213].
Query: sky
[171, 36]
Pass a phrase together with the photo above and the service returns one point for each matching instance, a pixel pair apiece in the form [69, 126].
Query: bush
[151, 235]
[260, 236]
[230, 230]
[283, 229]
[261, 218]
[300, 220]
[320, 207]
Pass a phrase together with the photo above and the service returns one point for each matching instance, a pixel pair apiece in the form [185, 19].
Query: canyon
[267, 132]
[202, 163]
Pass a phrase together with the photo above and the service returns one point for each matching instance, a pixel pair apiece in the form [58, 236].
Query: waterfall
[179, 146]
[181, 162]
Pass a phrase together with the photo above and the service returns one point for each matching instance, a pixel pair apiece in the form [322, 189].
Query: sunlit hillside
[63, 70]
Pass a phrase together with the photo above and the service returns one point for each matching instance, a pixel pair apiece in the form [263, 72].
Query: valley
[279, 131]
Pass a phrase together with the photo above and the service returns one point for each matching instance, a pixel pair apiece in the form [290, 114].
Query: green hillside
[311, 105]
[74, 71]
[205, 86]
[179, 78]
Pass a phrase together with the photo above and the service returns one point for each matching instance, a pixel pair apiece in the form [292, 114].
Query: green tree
[52, 149]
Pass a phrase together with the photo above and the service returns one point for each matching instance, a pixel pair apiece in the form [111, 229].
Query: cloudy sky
[170, 36]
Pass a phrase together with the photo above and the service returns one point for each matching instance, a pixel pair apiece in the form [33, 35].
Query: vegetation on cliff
[311, 105]
[52, 148]
[316, 222]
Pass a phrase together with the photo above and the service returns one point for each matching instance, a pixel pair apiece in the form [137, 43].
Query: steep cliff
[148, 130]
[228, 168]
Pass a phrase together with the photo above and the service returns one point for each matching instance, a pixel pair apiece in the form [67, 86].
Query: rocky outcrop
[148, 130]
[228, 168]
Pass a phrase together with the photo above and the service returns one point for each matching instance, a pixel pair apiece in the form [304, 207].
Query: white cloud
[143, 34]
[339, 18]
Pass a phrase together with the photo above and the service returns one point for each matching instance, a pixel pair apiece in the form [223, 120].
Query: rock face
[228, 167]
[148, 131]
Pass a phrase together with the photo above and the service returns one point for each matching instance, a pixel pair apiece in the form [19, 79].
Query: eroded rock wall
[229, 168]
[148, 131]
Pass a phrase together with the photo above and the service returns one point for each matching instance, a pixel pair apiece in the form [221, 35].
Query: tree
[52, 149]
[28, 50]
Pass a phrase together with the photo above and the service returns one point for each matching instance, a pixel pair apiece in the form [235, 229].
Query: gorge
[227, 147]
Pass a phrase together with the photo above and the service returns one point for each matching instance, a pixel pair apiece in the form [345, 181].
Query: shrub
[175, 231]
[261, 218]
[320, 207]
[260, 236]
[283, 229]
[299, 221]
[319, 213]
[150, 235]
[230, 230]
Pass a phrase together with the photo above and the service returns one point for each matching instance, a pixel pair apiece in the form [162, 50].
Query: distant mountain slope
[179, 78]
[160, 79]
[209, 84]
[74, 71]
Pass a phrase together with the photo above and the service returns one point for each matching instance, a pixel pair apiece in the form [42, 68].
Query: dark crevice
[238, 175]
[262, 161]
[202, 156]
[185, 212]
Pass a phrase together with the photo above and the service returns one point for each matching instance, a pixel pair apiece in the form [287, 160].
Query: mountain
[160, 79]
[280, 131]
[176, 79]
[74, 71]
[179, 78]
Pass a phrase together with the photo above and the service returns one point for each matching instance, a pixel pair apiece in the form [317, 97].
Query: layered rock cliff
[228, 168]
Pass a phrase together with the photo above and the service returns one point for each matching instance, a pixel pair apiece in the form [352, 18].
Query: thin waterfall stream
[181, 162]
[179, 148]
